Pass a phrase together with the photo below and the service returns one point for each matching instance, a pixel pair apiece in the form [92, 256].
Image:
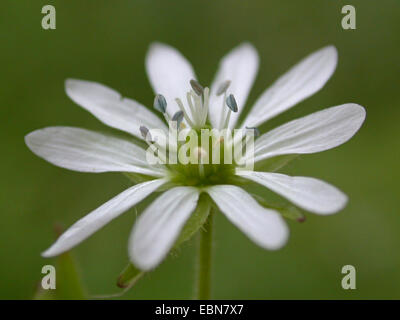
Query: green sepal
[275, 163]
[42, 294]
[196, 220]
[69, 285]
[137, 177]
[286, 210]
[129, 276]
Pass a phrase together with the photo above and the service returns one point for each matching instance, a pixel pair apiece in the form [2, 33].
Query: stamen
[145, 133]
[180, 105]
[160, 103]
[154, 146]
[196, 111]
[206, 99]
[197, 87]
[178, 117]
[223, 87]
[223, 110]
[190, 97]
[198, 108]
[231, 103]
[256, 131]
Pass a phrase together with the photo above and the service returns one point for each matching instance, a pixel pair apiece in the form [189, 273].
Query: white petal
[316, 132]
[98, 218]
[264, 226]
[169, 73]
[240, 66]
[87, 151]
[308, 193]
[158, 227]
[300, 82]
[111, 108]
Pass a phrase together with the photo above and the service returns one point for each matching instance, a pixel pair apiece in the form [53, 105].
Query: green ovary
[210, 174]
[202, 170]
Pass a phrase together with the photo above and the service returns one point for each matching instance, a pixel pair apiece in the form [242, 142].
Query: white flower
[158, 227]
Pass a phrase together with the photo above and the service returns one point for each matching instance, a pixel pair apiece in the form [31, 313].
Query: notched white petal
[316, 132]
[87, 151]
[236, 74]
[263, 226]
[111, 108]
[98, 218]
[169, 73]
[300, 82]
[158, 227]
[308, 193]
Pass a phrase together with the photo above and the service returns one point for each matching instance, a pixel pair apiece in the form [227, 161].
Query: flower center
[195, 153]
[201, 162]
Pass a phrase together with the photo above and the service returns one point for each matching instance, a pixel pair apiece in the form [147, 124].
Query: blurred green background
[106, 41]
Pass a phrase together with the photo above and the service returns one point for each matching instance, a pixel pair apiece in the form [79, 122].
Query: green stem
[203, 277]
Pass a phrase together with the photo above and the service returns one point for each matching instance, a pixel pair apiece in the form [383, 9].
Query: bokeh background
[106, 41]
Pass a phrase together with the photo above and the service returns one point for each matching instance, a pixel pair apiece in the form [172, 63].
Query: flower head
[189, 105]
